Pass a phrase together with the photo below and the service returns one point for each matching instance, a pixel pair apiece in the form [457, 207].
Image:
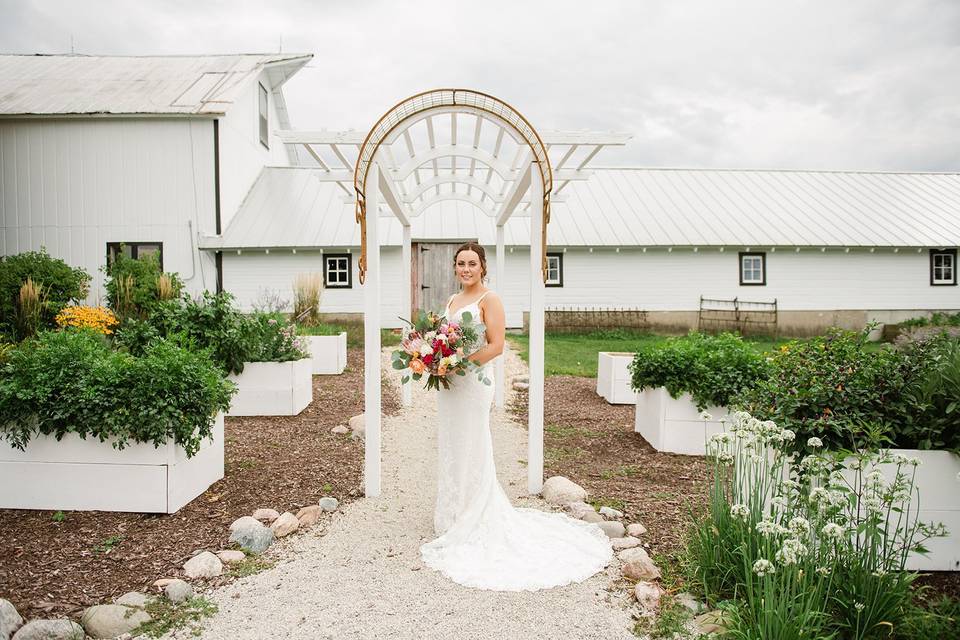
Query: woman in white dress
[484, 542]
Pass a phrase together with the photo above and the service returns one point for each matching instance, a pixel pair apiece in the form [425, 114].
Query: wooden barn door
[436, 280]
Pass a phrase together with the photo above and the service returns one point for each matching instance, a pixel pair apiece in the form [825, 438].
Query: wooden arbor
[454, 144]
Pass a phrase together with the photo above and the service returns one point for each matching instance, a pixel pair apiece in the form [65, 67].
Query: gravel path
[361, 576]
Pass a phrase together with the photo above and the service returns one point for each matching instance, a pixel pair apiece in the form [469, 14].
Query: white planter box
[89, 475]
[328, 353]
[613, 377]
[674, 425]
[272, 388]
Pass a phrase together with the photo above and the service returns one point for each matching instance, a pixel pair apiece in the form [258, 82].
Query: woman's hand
[495, 321]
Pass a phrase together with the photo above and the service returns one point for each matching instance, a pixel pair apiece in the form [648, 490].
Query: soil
[51, 568]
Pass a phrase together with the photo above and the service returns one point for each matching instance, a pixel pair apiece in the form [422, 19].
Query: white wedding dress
[484, 541]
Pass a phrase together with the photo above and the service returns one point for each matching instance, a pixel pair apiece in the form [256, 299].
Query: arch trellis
[433, 100]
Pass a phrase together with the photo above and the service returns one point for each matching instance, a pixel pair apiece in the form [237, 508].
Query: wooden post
[501, 382]
[535, 408]
[406, 392]
[371, 339]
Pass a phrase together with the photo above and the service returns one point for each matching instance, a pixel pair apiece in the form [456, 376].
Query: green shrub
[136, 286]
[60, 283]
[927, 413]
[168, 392]
[712, 369]
[936, 319]
[270, 337]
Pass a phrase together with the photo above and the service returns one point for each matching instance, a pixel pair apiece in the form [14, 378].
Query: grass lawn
[576, 354]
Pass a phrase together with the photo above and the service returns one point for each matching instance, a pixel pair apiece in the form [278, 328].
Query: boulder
[203, 565]
[286, 524]
[163, 582]
[133, 599]
[711, 622]
[266, 515]
[612, 514]
[578, 509]
[358, 426]
[521, 386]
[252, 535]
[612, 528]
[592, 516]
[340, 430]
[638, 565]
[178, 591]
[245, 521]
[627, 542]
[230, 556]
[636, 529]
[112, 620]
[560, 491]
[10, 619]
[309, 516]
[648, 596]
[61, 629]
[689, 601]
[328, 503]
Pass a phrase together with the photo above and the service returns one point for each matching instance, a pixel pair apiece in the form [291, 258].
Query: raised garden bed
[613, 377]
[272, 388]
[85, 474]
[328, 353]
[674, 425]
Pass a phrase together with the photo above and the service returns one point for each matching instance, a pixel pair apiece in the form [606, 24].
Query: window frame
[326, 270]
[113, 248]
[263, 119]
[559, 281]
[952, 282]
[763, 268]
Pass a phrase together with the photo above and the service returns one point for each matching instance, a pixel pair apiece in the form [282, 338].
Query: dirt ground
[53, 568]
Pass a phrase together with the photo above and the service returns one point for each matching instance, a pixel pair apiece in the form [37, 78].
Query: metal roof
[620, 207]
[127, 85]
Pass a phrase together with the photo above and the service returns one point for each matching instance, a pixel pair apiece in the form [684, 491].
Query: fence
[745, 316]
[578, 319]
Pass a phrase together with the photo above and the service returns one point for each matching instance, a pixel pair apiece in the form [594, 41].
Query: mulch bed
[51, 568]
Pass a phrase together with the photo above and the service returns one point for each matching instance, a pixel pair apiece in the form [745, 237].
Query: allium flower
[725, 458]
[791, 551]
[859, 606]
[819, 494]
[779, 501]
[824, 571]
[832, 531]
[766, 527]
[900, 459]
[914, 462]
[705, 416]
[763, 567]
[787, 435]
[814, 443]
[740, 511]
[799, 526]
[874, 505]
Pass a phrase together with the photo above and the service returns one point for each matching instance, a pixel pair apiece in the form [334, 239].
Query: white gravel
[360, 576]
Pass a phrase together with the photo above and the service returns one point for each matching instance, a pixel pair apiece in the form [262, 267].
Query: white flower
[900, 459]
[725, 457]
[874, 505]
[859, 606]
[824, 571]
[879, 573]
[740, 511]
[766, 527]
[791, 551]
[787, 435]
[814, 443]
[832, 530]
[915, 462]
[799, 526]
[763, 567]
[779, 501]
[819, 494]
[705, 416]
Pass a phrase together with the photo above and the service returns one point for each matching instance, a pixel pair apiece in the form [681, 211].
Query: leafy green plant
[927, 412]
[712, 369]
[135, 286]
[167, 617]
[108, 544]
[60, 283]
[936, 319]
[270, 337]
[168, 392]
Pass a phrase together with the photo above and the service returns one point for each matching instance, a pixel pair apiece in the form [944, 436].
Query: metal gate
[435, 279]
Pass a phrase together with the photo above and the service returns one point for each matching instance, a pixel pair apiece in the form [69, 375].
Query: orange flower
[417, 366]
[442, 370]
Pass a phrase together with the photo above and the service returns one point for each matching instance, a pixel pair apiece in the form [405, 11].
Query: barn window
[943, 266]
[134, 250]
[753, 268]
[554, 270]
[336, 271]
[264, 128]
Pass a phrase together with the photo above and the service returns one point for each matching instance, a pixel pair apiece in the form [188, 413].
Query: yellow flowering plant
[100, 319]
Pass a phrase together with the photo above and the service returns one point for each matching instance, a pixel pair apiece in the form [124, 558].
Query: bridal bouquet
[434, 347]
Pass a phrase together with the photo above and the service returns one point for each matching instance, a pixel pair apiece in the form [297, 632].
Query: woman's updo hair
[476, 248]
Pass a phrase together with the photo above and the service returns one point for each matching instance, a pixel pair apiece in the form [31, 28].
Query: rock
[578, 509]
[203, 565]
[613, 514]
[648, 596]
[163, 582]
[133, 599]
[711, 622]
[285, 524]
[244, 522]
[230, 556]
[340, 430]
[593, 516]
[309, 515]
[521, 386]
[358, 426]
[627, 542]
[522, 379]
[112, 620]
[251, 535]
[559, 490]
[638, 565]
[612, 528]
[689, 601]
[178, 591]
[10, 619]
[636, 529]
[328, 503]
[266, 515]
[49, 630]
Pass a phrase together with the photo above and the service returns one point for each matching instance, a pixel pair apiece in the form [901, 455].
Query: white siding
[74, 185]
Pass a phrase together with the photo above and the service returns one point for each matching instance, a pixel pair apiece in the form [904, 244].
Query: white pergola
[450, 144]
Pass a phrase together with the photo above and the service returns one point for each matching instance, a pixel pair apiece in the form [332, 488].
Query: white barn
[196, 155]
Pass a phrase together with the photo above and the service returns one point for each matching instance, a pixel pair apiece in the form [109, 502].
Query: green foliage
[937, 319]
[136, 286]
[269, 337]
[926, 415]
[929, 617]
[712, 369]
[109, 544]
[168, 392]
[61, 285]
[167, 617]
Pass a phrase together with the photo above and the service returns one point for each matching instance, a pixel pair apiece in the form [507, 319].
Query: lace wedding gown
[484, 541]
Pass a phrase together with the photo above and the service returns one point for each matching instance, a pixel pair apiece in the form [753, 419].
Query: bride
[483, 541]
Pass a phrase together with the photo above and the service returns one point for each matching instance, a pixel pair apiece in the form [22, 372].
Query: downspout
[218, 257]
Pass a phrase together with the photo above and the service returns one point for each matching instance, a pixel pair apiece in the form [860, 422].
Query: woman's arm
[493, 318]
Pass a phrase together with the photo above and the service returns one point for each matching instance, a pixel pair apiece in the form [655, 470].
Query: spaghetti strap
[477, 301]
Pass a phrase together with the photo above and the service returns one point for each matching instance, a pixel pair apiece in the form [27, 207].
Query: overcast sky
[761, 83]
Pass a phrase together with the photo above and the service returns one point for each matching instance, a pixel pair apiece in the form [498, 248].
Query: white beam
[292, 136]
[393, 200]
[336, 151]
[515, 193]
[500, 391]
[451, 151]
[406, 390]
[589, 157]
[446, 179]
[323, 165]
[536, 349]
[371, 341]
[462, 197]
